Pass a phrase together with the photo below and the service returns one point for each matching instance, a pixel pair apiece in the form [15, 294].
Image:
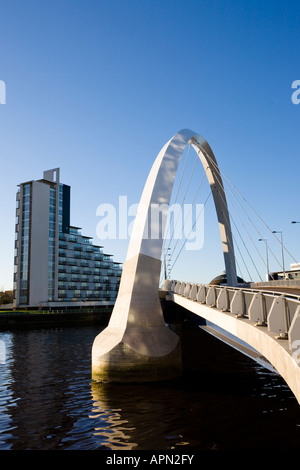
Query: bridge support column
[124, 364]
[137, 346]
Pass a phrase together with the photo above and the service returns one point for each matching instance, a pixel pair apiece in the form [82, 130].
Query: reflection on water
[143, 419]
[222, 401]
[113, 431]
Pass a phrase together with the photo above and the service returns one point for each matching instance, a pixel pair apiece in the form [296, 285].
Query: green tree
[6, 297]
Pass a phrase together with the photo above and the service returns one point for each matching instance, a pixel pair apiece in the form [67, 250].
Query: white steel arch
[158, 190]
[136, 345]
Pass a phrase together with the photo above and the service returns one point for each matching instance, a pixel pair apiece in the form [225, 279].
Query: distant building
[292, 273]
[54, 263]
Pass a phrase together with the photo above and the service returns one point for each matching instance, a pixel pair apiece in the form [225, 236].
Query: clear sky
[96, 87]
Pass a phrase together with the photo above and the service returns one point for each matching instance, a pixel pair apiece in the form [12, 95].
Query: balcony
[72, 262]
[62, 288]
[86, 255]
[75, 270]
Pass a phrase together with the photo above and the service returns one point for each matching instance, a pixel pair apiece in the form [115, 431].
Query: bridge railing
[279, 312]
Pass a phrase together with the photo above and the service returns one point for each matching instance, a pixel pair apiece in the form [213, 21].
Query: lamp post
[267, 256]
[280, 231]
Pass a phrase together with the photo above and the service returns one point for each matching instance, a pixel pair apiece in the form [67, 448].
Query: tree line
[6, 297]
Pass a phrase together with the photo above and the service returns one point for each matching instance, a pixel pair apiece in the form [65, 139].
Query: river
[223, 401]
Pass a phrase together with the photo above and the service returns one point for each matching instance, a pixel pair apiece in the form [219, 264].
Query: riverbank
[60, 316]
[46, 319]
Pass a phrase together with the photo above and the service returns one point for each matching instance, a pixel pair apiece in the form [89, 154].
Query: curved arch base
[137, 346]
[124, 364]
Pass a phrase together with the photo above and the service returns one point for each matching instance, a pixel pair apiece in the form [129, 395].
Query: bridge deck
[266, 321]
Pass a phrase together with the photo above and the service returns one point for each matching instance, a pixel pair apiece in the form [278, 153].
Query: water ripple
[223, 400]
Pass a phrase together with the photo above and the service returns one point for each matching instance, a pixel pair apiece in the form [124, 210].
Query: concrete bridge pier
[137, 346]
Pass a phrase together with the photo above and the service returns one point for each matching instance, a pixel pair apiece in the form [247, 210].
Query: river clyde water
[223, 401]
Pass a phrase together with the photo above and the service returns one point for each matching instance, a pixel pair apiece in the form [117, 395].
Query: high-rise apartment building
[54, 263]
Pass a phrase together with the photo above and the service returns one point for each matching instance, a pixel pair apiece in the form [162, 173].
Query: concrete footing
[137, 346]
[125, 364]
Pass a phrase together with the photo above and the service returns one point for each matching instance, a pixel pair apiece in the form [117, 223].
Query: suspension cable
[245, 246]
[260, 235]
[191, 229]
[182, 173]
[218, 171]
[184, 197]
[257, 215]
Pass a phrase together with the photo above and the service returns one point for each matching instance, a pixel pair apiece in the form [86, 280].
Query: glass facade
[24, 240]
[84, 271]
[78, 270]
[52, 247]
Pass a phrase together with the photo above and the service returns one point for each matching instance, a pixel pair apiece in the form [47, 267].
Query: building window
[24, 255]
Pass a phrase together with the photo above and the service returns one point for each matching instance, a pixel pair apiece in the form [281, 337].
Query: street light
[280, 231]
[266, 243]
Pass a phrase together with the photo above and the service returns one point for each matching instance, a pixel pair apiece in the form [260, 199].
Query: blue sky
[97, 87]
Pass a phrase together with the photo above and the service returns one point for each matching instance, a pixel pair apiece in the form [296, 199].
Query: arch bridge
[137, 345]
